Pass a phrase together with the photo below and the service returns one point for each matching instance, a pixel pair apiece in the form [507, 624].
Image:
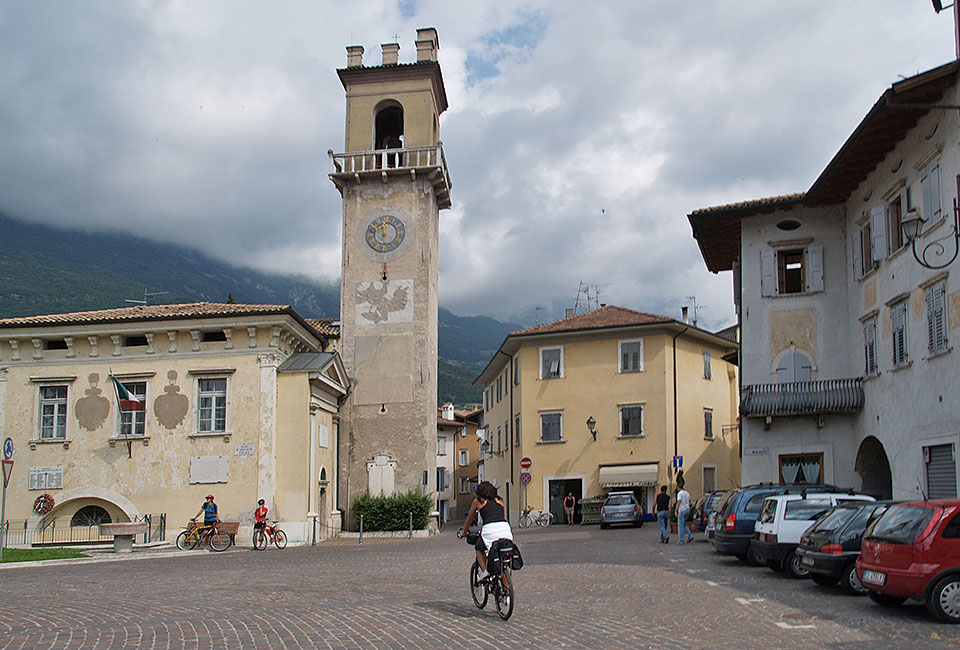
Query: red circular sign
[525, 478]
[525, 462]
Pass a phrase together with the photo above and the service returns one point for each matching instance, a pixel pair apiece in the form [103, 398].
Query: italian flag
[127, 400]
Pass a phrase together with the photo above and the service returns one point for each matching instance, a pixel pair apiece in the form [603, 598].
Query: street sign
[8, 449]
[7, 470]
[678, 461]
[525, 462]
[525, 477]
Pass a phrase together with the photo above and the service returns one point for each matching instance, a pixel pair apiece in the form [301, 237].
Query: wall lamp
[592, 425]
[912, 227]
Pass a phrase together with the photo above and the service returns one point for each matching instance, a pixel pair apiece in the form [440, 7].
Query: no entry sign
[525, 462]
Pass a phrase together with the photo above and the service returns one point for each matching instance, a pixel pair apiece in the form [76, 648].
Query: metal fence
[59, 532]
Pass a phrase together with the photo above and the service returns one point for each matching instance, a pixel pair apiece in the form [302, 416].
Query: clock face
[385, 233]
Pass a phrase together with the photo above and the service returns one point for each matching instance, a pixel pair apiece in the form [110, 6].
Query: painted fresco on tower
[385, 302]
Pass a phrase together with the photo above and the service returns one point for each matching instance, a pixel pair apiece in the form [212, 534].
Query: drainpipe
[509, 423]
[675, 442]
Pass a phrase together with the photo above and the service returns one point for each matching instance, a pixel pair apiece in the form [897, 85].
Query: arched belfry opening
[874, 469]
[389, 126]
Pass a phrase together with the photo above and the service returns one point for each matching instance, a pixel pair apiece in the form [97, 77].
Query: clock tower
[394, 181]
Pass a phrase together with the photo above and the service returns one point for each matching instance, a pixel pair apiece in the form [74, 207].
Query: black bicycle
[500, 585]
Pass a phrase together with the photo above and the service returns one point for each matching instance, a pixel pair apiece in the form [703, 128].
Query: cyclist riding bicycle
[209, 512]
[495, 526]
[260, 515]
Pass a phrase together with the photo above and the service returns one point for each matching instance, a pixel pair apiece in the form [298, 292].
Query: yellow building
[241, 401]
[605, 400]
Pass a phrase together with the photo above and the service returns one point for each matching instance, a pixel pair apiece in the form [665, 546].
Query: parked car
[913, 551]
[738, 511]
[783, 520]
[704, 506]
[620, 508]
[830, 548]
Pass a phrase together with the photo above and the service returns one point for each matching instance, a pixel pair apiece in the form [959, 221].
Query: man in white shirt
[683, 511]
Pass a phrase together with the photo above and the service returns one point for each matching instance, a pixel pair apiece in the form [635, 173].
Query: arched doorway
[874, 469]
[389, 126]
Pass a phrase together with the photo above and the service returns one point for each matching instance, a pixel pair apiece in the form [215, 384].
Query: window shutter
[815, 263]
[930, 185]
[736, 286]
[857, 256]
[878, 232]
[936, 325]
[870, 347]
[768, 277]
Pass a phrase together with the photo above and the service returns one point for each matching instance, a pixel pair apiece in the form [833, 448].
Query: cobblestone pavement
[580, 588]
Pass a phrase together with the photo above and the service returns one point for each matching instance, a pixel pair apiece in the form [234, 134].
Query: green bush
[392, 512]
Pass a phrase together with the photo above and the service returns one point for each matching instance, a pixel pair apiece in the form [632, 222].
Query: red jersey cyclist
[260, 515]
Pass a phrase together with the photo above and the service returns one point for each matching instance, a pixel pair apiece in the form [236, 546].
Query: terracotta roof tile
[146, 312]
[329, 327]
[753, 204]
[607, 316]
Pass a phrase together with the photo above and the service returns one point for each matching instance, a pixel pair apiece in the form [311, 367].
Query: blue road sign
[8, 449]
[678, 462]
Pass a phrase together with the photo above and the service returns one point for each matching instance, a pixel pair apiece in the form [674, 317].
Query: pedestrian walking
[662, 510]
[683, 511]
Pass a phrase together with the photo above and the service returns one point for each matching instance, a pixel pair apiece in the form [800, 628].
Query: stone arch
[874, 469]
[68, 502]
[388, 125]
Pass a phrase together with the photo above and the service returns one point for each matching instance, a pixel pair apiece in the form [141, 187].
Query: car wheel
[753, 558]
[794, 566]
[944, 600]
[822, 580]
[886, 600]
[850, 582]
[740, 556]
[774, 565]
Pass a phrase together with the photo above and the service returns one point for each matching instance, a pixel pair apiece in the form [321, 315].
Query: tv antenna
[146, 294]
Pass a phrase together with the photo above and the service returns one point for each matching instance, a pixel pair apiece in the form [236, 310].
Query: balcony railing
[389, 162]
[802, 398]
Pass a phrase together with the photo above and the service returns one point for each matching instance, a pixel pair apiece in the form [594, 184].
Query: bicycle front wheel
[477, 589]
[280, 539]
[505, 594]
[184, 542]
[526, 521]
[219, 541]
[259, 540]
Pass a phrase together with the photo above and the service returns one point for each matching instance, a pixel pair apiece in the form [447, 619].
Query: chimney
[427, 44]
[390, 53]
[569, 313]
[354, 56]
[683, 312]
[446, 411]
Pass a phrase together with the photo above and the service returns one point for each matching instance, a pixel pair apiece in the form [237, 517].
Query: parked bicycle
[266, 534]
[196, 536]
[541, 518]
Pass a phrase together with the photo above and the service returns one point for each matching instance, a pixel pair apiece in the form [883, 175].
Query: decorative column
[267, 439]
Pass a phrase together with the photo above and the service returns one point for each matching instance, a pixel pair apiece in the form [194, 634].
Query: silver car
[620, 508]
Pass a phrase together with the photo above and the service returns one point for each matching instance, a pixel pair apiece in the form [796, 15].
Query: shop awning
[637, 474]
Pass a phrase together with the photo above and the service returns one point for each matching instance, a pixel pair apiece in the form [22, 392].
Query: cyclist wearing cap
[260, 515]
[209, 512]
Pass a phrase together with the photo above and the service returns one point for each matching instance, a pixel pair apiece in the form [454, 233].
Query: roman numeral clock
[393, 180]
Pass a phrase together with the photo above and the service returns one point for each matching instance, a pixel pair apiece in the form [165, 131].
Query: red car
[913, 551]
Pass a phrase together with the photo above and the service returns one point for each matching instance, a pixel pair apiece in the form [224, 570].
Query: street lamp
[912, 227]
[592, 425]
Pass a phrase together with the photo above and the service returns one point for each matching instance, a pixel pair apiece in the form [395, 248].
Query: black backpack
[493, 556]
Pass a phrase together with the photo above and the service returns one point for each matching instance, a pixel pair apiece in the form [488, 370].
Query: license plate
[874, 577]
[807, 560]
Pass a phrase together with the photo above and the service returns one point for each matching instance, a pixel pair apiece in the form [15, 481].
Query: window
[801, 468]
[863, 250]
[930, 186]
[486, 400]
[708, 424]
[499, 440]
[631, 355]
[134, 341]
[213, 405]
[631, 420]
[791, 270]
[463, 457]
[506, 435]
[551, 362]
[895, 212]
[516, 370]
[709, 478]
[464, 485]
[516, 431]
[442, 482]
[898, 325]
[499, 388]
[707, 370]
[936, 318]
[870, 347]
[805, 509]
[210, 337]
[55, 344]
[794, 366]
[132, 423]
[45, 478]
[53, 412]
[941, 466]
[441, 446]
[551, 426]
[90, 516]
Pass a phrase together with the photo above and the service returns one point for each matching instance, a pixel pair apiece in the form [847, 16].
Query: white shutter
[878, 232]
[936, 325]
[815, 270]
[768, 275]
[736, 286]
[870, 347]
[857, 256]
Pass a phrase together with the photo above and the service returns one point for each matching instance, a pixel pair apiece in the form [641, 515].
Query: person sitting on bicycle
[495, 525]
[260, 515]
[209, 512]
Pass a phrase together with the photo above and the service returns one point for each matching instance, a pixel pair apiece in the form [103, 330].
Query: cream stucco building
[241, 401]
[652, 387]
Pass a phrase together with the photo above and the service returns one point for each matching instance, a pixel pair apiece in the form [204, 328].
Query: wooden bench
[228, 527]
[123, 534]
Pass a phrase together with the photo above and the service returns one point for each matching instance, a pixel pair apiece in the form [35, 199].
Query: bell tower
[393, 180]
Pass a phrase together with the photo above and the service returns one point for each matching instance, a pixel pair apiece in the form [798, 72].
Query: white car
[783, 520]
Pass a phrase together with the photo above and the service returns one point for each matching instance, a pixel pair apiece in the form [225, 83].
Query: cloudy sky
[579, 134]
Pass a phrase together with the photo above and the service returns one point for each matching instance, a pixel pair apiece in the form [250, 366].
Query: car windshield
[805, 509]
[769, 511]
[900, 524]
[834, 520]
[724, 500]
[619, 501]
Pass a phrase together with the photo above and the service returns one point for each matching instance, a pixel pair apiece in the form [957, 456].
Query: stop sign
[525, 462]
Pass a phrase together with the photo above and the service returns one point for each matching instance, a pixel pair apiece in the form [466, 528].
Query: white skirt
[495, 530]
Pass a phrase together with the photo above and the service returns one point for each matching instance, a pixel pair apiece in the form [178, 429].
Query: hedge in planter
[392, 512]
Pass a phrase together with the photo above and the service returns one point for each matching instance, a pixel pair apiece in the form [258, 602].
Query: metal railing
[428, 159]
[59, 532]
[802, 398]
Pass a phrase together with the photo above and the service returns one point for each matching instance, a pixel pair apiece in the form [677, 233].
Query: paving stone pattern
[580, 588]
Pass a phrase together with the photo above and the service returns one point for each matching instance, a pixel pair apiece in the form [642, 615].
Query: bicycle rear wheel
[219, 541]
[505, 597]
[259, 539]
[477, 589]
[280, 539]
